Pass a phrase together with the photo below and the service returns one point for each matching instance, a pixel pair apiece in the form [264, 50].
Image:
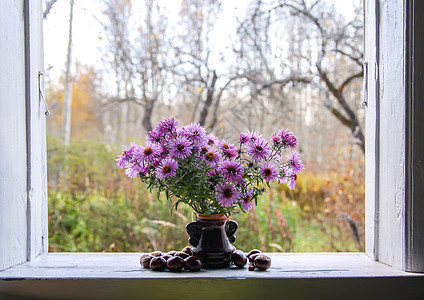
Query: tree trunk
[209, 99]
[67, 105]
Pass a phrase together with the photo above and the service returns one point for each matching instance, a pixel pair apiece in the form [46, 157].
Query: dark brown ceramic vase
[212, 237]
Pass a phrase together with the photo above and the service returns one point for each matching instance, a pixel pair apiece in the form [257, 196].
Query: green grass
[94, 207]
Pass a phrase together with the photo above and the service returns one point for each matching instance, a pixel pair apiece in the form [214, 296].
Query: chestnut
[253, 256]
[254, 251]
[172, 252]
[239, 258]
[145, 260]
[181, 254]
[166, 256]
[262, 262]
[187, 250]
[192, 263]
[156, 253]
[175, 264]
[157, 263]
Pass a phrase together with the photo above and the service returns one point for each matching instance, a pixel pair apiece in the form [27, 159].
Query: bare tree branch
[49, 6]
[352, 121]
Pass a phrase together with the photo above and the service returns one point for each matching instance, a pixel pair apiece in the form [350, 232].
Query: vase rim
[215, 217]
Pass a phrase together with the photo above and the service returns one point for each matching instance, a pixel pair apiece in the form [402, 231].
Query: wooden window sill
[119, 275]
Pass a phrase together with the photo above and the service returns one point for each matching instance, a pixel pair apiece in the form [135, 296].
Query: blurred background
[114, 68]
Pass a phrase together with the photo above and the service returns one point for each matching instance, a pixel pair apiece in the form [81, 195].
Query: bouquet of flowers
[211, 175]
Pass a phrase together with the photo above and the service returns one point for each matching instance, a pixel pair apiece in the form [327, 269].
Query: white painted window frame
[394, 191]
[394, 153]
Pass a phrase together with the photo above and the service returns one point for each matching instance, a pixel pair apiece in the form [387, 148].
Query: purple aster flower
[292, 182]
[204, 149]
[211, 140]
[180, 147]
[126, 155]
[232, 171]
[254, 136]
[288, 138]
[259, 149]
[227, 194]
[229, 151]
[134, 169]
[269, 171]
[244, 138]
[166, 168]
[212, 156]
[295, 163]
[168, 125]
[276, 137]
[148, 152]
[156, 135]
[246, 201]
[194, 132]
[287, 176]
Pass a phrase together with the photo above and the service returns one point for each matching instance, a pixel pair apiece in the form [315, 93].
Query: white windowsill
[126, 265]
[119, 275]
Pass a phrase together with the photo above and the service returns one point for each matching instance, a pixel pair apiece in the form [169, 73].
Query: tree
[137, 53]
[66, 129]
[49, 4]
[197, 56]
[331, 39]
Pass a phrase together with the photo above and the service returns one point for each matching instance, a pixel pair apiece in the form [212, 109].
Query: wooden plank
[391, 189]
[291, 276]
[13, 167]
[414, 206]
[37, 196]
[126, 265]
[370, 95]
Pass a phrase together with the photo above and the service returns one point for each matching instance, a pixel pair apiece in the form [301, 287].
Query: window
[393, 192]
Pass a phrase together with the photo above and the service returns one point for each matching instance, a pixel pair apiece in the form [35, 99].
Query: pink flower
[244, 138]
[229, 151]
[288, 177]
[133, 170]
[227, 194]
[180, 147]
[269, 171]
[212, 156]
[288, 138]
[167, 168]
[259, 149]
[246, 201]
[295, 163]
[253, 136]
[211, 140]
[232, 171]
[126, 156]
[194, 132]
[148, 152]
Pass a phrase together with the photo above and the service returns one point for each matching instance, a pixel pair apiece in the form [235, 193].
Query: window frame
[402, 200]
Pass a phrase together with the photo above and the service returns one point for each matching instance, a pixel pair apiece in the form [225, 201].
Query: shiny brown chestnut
[175, 264]
[192, 263]
[157, 263]
[145, 260]
[239, 258]
[262, 262]
[253, 256]
[187, 250]
[156, 253]
[166, 256]
[172, 252]
[181, 254]
[254, 251]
